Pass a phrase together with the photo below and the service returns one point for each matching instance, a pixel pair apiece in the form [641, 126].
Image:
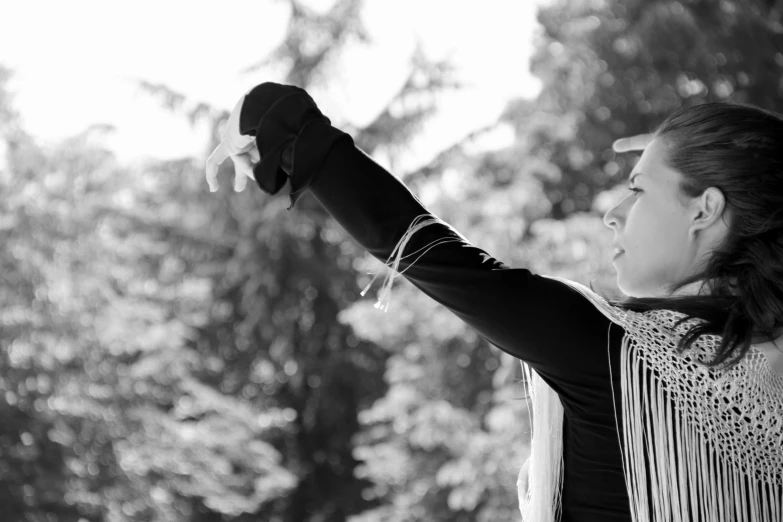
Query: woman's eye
[635, 190]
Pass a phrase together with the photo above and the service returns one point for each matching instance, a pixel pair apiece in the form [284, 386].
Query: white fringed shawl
[724, 428]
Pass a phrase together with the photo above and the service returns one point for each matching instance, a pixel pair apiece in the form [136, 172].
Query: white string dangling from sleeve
[384, 294]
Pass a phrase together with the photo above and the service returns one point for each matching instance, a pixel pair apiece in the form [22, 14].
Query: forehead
[653, 157]
[653, 166]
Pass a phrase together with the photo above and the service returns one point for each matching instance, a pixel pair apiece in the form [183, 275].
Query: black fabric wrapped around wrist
[292, 120]
[311, 148]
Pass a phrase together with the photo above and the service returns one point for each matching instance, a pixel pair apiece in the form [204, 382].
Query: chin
[624, 287]
[631, 290]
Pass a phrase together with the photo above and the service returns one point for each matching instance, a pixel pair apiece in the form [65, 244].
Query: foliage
[615, 68]
[106, 411]
[171, 354]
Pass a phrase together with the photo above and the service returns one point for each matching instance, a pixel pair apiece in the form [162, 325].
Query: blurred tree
[33, 468]
[102, 412]
[613, 68]
[171, 354]
[278, 288]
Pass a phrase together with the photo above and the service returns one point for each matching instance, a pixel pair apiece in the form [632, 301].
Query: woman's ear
[710, 206]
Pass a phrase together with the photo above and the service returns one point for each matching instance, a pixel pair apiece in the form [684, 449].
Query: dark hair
[737, 148]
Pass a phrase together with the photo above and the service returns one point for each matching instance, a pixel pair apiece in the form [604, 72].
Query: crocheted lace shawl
[725, 428]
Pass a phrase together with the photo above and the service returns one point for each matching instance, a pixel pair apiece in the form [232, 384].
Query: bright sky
[75, 63]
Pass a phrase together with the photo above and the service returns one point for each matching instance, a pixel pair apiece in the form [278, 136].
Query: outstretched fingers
[255, 157]
[638, 142]
[217, 157]
[243, 169]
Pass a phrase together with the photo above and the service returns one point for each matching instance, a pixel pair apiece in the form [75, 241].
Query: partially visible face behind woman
[666, 235]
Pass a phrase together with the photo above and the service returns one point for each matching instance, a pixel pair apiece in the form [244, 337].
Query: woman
[701, 235]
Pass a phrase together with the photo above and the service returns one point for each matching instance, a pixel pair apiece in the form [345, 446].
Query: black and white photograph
[391, 261]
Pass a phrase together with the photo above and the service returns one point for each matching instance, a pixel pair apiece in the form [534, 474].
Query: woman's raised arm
[539, 320]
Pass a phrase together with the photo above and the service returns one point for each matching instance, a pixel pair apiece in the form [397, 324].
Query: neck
[695, 288]
[776, 342]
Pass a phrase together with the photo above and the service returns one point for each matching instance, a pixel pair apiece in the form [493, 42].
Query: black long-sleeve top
[538, 320]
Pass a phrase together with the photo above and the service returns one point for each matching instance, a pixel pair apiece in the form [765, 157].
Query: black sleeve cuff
[293, 119]
[311, 148]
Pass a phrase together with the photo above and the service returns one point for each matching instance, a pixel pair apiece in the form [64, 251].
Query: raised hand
[638, 142]
[241, 149]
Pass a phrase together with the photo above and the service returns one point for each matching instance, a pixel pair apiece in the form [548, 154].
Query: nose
[616, 214]
[610, 218]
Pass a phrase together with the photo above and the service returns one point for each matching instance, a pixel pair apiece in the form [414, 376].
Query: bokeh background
[169, 354]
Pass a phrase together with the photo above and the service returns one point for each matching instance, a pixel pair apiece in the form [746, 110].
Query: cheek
[654, 251]
[652, 231]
